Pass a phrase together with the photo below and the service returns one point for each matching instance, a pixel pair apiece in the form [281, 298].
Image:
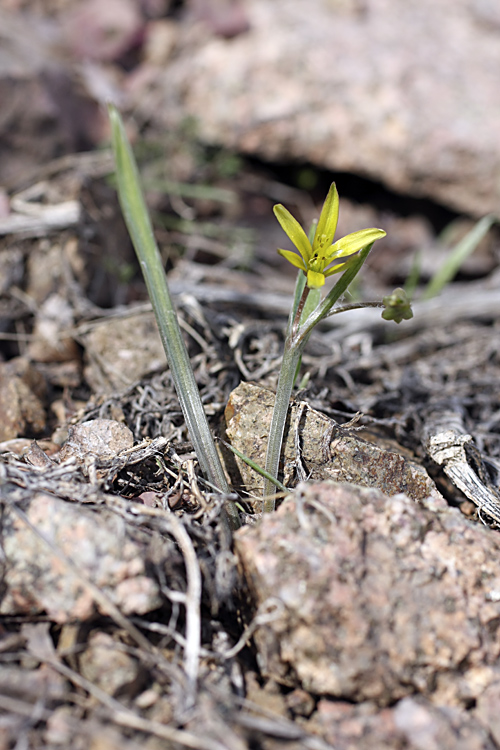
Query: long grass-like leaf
[141, 232]
[463, 249]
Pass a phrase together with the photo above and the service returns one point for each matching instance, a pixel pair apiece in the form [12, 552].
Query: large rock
[405, 93]
[317, 448]
[375, 598]
[37, 577]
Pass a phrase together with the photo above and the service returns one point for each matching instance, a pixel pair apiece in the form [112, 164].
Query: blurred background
[257, 102]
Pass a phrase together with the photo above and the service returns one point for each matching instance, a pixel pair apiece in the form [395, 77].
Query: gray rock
[405, 93]
[413, 723]
[121, 351]
[35, 579]
[96, 440]
[375, 598]
[317, 448]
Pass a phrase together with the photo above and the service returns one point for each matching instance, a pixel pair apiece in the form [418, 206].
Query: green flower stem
[291, 356]
[300, 309]
[323, 309]
[139, 226]
[294, 346]
[353, 306]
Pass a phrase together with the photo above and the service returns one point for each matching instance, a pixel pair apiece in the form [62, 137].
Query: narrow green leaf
[141, 232]
[299, 288]
[458, 255]
[291, 357]
[255, 466]
[312, 301]
[413, 277]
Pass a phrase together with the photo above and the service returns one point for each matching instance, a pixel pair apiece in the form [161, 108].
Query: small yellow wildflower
[315, 259]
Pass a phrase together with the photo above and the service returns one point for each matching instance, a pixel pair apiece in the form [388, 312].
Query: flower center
[316, 263]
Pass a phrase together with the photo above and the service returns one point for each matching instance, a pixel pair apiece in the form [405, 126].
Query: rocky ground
[363, 613]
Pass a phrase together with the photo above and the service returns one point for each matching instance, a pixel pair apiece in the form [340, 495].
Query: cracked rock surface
[376, 597]
[403, 93]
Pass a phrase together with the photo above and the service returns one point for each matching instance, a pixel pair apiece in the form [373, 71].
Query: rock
[406, 95]
[487, 710]
[96, 440]
[36, 580]
[413, 724]
[375, 597]
[11, 269]
[102, 31]
[122, 351]
[45, 267]
[327, 450]
[51, 342]
[225, 18]
[22, 392]
[105, 663]
[48, 114]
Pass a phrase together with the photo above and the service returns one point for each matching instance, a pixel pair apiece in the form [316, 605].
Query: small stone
[488, 712]
[120, 352]
[22, 392]
[96, 440]
[413, 724]
[51, 342]
[108, 665]
[36, 580]
[300, 702]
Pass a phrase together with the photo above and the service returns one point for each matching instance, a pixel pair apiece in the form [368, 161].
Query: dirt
[363, 613]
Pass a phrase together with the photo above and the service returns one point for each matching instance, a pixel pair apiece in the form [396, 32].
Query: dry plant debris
[140, 625]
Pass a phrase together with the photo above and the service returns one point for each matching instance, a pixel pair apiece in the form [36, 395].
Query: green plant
[457, 256]
[319, 257]
[141, 232]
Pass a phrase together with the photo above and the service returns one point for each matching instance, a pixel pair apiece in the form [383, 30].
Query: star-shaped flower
[315, 259]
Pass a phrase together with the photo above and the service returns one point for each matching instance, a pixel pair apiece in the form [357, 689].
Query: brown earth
[363, 613]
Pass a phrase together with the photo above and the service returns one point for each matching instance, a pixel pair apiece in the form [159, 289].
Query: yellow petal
[293, 258]
[354, 242]
[327, 224]
[336, 269]
[293, 229]
[315, 280]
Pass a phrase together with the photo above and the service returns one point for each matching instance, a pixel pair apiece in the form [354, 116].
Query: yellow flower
[316, 259]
